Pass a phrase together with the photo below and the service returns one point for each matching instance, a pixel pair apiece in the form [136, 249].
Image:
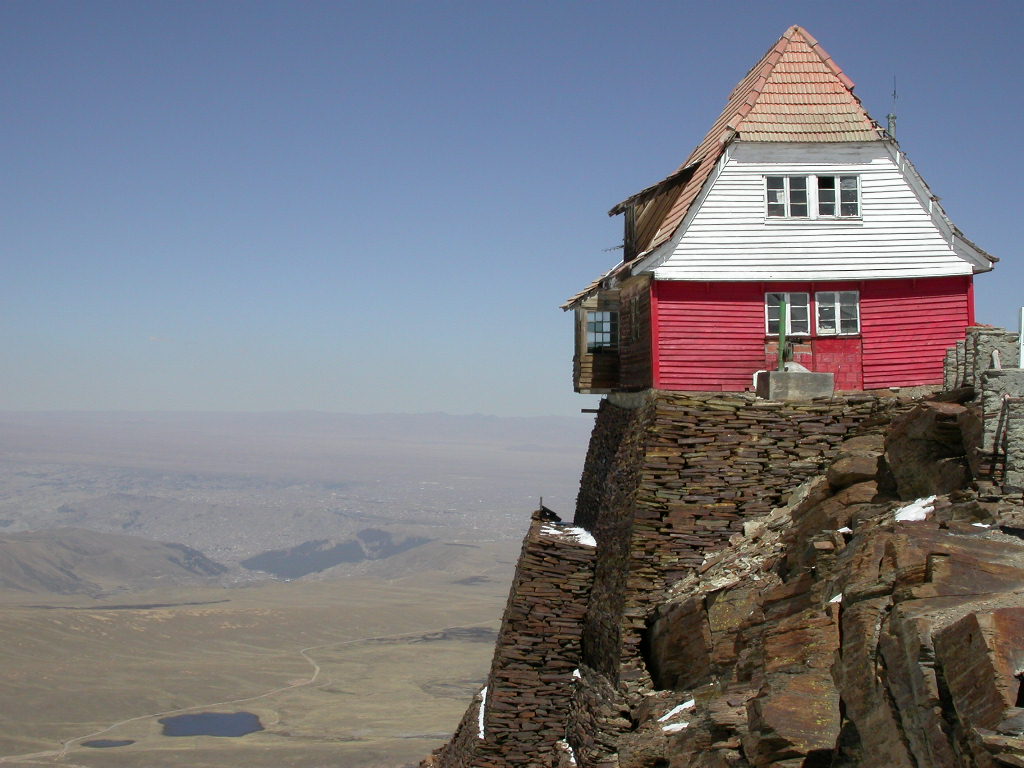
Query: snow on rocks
[916, 510]
[579, 535]
[688, 704]
[569, 752]
[483, 708]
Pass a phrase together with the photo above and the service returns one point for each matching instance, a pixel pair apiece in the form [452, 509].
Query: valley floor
[342, 673]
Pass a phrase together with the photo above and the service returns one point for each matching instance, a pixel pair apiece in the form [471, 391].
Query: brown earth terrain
[124, 596]
[351, 672]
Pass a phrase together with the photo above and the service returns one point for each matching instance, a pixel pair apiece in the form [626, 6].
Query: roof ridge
[787, 35]
[819, 49]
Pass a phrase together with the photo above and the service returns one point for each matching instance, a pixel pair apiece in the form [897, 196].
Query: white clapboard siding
[726, 235]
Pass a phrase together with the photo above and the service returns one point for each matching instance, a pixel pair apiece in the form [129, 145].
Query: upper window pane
[602, 330]
[797, 313]
[838, 312]
[849, 196]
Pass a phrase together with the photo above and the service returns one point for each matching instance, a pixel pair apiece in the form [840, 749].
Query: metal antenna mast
[891, 117]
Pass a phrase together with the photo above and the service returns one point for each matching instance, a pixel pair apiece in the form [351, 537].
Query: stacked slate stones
[709, 462]
[537, 651]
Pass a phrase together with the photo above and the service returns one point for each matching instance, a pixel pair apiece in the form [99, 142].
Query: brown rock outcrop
[764, 596]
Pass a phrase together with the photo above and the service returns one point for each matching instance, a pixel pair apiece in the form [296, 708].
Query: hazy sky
[379, 206]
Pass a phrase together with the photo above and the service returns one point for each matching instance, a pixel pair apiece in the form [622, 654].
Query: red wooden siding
[711, 336]
[907, 326]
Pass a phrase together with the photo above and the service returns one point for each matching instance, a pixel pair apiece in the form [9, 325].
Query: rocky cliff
[832, 583]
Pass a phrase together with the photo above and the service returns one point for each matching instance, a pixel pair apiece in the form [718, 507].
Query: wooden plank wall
[635, 335]
[730, 237]
[712, 335]
[908, 325]
[595, 371]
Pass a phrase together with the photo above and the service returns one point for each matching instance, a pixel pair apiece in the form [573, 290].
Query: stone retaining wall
[667, 482]
[538, 648]
[997, 425]
[1002, 408]
[610, 427]
[689, 470]
[966, 362]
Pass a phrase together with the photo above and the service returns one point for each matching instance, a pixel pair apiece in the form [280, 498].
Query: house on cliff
[796, 208]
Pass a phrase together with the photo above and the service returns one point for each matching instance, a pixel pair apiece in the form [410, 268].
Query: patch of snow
[480, 716]
[981, 525]
[688, 704]
[579, 535]
[837, 599]
[564, 745]
[576, 674]
[844, 529]
[916, 510]
[674, 727]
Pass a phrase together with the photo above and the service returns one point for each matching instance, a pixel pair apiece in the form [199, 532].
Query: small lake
[211, 724]
[104, 743]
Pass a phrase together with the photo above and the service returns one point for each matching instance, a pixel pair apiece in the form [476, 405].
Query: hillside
[72, 561]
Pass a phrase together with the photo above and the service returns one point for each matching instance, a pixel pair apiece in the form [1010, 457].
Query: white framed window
[837, 312]
[602, 330]
[798, 313]
[819, 196]
[787, 197]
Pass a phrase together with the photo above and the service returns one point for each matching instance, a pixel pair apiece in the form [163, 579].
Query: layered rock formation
[823, 584]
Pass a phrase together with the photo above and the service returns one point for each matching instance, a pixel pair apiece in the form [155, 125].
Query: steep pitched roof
[796, 92]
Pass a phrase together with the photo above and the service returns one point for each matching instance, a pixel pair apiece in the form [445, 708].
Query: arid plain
[367, 661]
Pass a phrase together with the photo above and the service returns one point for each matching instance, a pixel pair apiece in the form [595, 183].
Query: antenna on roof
[891, 117]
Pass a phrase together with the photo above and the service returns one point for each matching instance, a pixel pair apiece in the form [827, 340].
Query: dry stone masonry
[966, 362]
[537, 650]
[690, 470]
[775, 585]
[986, 365]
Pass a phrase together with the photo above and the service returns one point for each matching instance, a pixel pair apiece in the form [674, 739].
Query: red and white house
[796, 197]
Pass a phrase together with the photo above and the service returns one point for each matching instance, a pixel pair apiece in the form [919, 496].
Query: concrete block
[794, 385]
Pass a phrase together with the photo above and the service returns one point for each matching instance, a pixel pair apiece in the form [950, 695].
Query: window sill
[778, 221]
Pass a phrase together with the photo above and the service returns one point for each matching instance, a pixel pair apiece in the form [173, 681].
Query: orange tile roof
[796, 92]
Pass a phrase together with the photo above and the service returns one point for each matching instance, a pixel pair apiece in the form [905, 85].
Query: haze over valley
[340, 577]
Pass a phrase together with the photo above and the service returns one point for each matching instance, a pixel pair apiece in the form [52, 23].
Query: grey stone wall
[1002, 406]
[981, 343]
[966, 361]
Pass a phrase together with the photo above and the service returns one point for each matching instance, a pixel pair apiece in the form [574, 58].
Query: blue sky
[379, 206]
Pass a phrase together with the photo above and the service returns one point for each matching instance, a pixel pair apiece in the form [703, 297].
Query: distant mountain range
[236, 486]
[316, 556]
[76, 561]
